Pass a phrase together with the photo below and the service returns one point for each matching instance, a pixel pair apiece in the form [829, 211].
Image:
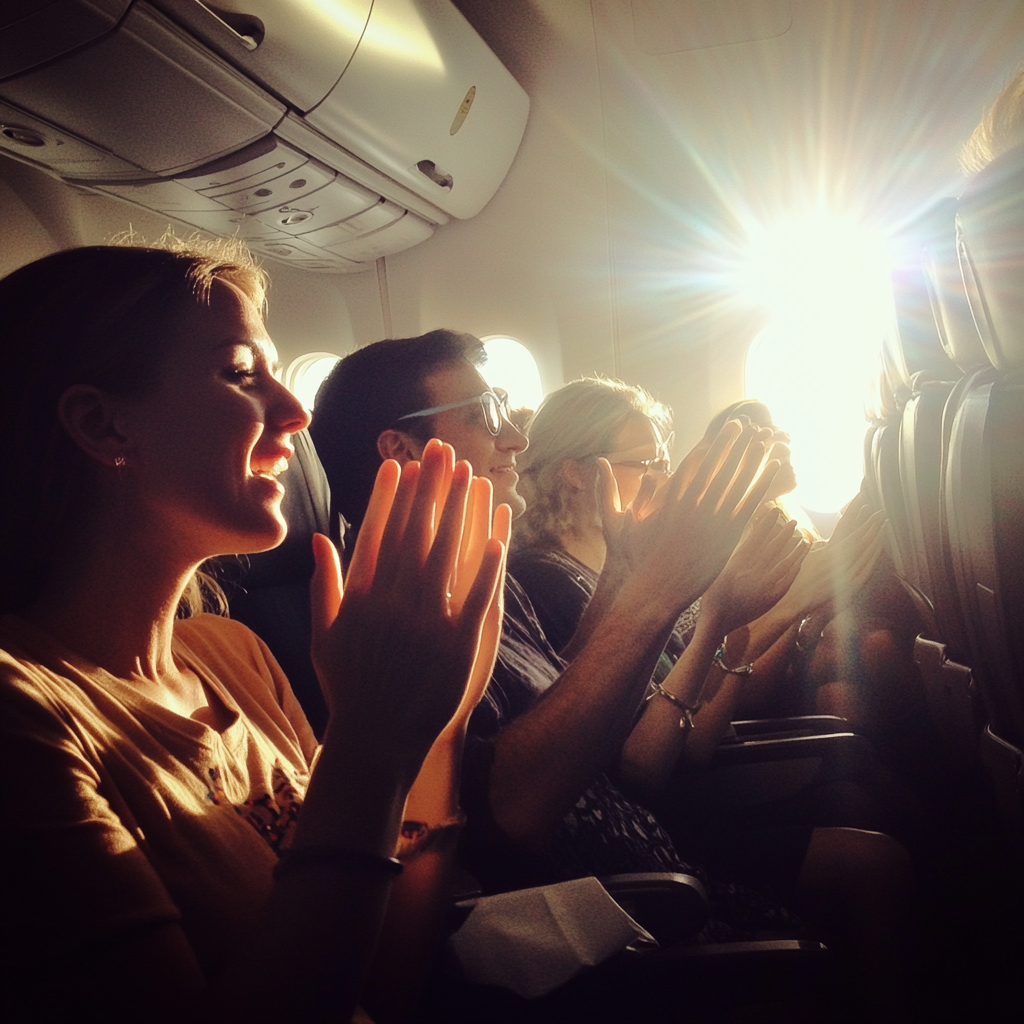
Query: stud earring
[119, 461]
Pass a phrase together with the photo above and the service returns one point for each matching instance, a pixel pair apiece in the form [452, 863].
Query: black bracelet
[805, 647]
[356, 860]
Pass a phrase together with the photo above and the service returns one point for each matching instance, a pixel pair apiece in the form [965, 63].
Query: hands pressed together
[405, 646]
[683, 538]
[679, 539]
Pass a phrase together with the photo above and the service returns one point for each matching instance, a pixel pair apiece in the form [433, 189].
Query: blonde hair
[1000, 129]
[99, 315]
[578, 422]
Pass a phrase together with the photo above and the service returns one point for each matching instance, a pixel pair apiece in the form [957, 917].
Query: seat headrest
[990, 243]
[958, 332]
[917, 346]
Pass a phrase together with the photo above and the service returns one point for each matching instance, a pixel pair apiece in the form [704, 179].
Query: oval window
[306, 373]
[511, 366]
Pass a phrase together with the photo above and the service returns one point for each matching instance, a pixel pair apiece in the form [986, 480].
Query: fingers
[791, 560]
[448, 541]
[779, 538]
[436, 468]
[325, 588]
[390, 552]
[643, 504]
[502, 528]
[758, 491]
[483, 590]
[710, 465]
[854, 515]
[725, 492]
[363, 565]
[681, 479]
[475, 532]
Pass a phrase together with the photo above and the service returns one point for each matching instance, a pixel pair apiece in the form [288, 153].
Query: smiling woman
[172, 845]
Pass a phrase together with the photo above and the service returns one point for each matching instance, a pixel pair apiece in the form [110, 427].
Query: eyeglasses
[659, 464]
[493, 403]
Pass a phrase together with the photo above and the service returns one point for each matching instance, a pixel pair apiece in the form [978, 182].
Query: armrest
[670, 905]
[752, 751]
[799, 725]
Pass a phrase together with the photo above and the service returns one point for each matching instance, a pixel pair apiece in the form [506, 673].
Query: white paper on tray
[533, 940]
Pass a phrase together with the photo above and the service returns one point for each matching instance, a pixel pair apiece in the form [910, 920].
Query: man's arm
[549, 755]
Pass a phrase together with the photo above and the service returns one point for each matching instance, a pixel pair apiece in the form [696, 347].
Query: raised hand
[394, 649]
[760, 571]
[855, 514]
[480, 528]
[834, 573]
[680, 538]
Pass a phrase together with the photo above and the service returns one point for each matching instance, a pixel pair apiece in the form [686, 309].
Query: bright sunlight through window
[511, 366]
[305, 375]
[825, 283]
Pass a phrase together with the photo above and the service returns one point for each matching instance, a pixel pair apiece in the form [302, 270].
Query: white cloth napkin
[533, 940]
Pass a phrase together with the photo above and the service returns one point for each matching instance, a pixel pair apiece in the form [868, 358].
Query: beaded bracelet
[688, 710]
[740, 670]
[363, 860]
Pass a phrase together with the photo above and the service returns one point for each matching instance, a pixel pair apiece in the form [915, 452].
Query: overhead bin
[353, 127]
[426, 101]
[296, 49]
[148, 94]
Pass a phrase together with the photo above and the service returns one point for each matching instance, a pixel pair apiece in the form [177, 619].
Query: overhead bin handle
[246, 29]
[435, 174]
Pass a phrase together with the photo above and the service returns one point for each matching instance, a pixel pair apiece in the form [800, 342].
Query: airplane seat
[885, 491]
[934, 341]
[912, 355]
[269, 591]
[984, 494]
[951, 310]
[921, 462]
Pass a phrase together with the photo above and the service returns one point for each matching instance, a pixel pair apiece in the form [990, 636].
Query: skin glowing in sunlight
[825, 284]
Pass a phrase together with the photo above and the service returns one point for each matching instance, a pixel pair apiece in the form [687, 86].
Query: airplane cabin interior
[715, 200]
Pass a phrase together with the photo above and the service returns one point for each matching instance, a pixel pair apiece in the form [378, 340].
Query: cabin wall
[607, 248]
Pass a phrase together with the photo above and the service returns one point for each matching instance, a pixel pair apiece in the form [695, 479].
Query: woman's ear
[88, 414]
[398, 445]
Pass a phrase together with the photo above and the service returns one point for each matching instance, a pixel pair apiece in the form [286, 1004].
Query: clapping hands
[405, 646]
[831, 575]
[760, 571]
[678, 540]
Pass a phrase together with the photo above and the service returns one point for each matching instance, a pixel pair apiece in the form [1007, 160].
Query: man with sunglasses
[540, 806]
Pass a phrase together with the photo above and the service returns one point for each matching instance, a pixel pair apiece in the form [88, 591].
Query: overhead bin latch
[435, 174]
[246, 29]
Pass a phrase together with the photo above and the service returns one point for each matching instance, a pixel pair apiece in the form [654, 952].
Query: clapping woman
[171, 853]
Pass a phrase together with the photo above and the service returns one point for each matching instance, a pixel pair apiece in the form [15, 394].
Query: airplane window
[511, 366]
[306, 373]
[825, 284]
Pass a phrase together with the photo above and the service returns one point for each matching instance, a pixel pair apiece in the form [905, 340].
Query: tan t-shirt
[119, 814]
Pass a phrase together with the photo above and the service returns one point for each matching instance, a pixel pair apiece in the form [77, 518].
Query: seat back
[990, 243]
[951, 310]
[921, 459]
[984, 493]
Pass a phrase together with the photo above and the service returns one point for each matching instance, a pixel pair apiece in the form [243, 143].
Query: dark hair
[364, 395]
[754, 410]
[99, 315]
